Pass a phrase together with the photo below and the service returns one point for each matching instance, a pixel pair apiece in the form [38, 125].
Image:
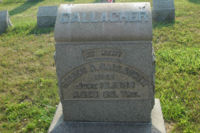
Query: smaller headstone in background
[163, 11]
[4, 21]
[46, 16]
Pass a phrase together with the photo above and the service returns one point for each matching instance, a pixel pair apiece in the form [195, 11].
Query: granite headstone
[105, 66]
[163, 11]
[46, 16]
[4, 21]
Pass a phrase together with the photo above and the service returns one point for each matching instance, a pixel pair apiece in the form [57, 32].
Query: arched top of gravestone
[163, 4]
[104, 22]
[47, 11]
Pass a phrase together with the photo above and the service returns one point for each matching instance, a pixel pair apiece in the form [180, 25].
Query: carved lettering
[104, 17]
[110, 94]
[83, 20]
[114, 16]
[86, 94]
[129, 94]
[94, 17]
[75, 17]
[124, 16]
[98, 80]
[102, 53]
[133, 17]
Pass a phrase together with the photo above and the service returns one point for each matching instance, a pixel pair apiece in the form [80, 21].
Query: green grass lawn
[28, 83]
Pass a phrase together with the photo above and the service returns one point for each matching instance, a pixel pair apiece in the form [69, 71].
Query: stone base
[58, 125]
[165, 15]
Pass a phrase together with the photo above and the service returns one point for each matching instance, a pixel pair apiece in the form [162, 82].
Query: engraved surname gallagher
[94, 17]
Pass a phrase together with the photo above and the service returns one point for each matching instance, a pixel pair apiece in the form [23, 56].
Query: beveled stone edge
[156, 116]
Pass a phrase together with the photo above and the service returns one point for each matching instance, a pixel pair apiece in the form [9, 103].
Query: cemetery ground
[28, 82]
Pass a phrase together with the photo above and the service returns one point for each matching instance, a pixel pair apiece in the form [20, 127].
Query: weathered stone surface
[163, 10]
[4, 21]
[58, 124]
[158, 125]
[96, 22]
[106, 86]
[104, 62]
[46, 16]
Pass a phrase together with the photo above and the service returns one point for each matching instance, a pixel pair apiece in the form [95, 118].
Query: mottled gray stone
[164, 15]
[58, 124]
[158, 125]
[102, 109]
[163, 10]
[46, 16]
[96, 22]
[4, 21]
[104, 62]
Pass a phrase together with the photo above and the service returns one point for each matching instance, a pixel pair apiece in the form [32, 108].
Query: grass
[28, 84]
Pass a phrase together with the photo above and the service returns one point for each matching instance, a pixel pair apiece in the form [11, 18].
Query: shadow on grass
[39, 30]
[24, 7]
[162, 24]
[195, 1]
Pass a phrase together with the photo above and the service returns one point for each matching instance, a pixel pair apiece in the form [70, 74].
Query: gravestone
[105, 69]
[46, 16]
[163, 10]
[4, 21]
